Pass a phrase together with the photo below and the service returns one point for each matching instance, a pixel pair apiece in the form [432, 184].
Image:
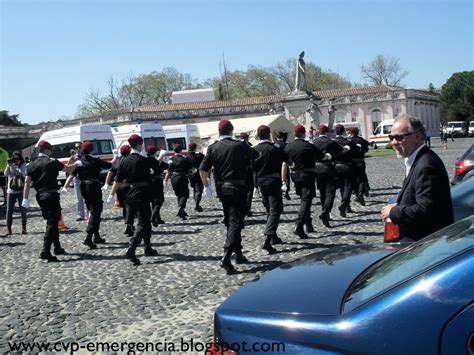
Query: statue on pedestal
[300, 82]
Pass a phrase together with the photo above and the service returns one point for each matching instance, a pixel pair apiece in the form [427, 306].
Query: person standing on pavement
[195, 179]
[75, 156]
[134, 170]
[158, 166]
[326, 172]
[344, 170]
[268, 169]
[249, 178]
[301, 159]
[178, 171]
[43, 173]
[15, 173]
[229, 159]
[89, 175]
[361, 182]
[3, 166]
[424, 203]
[281, 143]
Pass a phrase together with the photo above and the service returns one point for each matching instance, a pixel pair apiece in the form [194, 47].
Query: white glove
[110, 200]
[105, 187]
[346, 148]
[78, 163]
[115, 152]
[152, 171]
[207, 191]
[359, 145]
[284, 186]
[25, 203]
[64, 189]
[327, 156]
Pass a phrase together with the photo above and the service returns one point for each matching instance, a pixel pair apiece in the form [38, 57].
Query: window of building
[376, 117]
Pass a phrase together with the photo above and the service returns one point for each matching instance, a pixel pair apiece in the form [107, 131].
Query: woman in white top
[15, 172]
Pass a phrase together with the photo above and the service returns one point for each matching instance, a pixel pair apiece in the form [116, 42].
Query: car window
[409, 262]
[377, 130]
[387, 129]
[173, 141]
[468, 154]
[102, 147]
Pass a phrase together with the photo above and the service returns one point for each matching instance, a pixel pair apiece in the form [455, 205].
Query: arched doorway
[376, 116]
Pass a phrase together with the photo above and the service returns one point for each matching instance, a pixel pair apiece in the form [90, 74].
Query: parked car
[470, 131]
[464, 168]
[377, 299]
[456, 129]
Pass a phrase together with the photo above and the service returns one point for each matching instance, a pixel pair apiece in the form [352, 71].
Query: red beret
[263, 130]
[225, 127]
[44, 145]
[339, 126]
[135, 139]
[244, 135]
[355, 130]
[299, 129]
[87, 147]
[125, 149]
[177, 147]
[151, 149]
[323, 129]
[192, 146]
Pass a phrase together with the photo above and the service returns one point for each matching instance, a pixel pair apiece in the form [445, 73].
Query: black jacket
[424, 203]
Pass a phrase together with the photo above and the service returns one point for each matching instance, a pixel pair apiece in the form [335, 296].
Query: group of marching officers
[236, 168]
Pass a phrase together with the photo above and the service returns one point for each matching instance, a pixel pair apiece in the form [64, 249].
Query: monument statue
[300, 82]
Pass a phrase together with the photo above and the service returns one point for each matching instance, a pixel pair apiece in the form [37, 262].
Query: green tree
[9, 120]
[384, 70]
[457, 96]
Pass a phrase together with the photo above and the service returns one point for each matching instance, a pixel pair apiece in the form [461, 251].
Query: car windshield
[410, 262]
[468, 154]
[455, 125]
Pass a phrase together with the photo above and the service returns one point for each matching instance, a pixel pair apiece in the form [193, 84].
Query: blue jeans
[80, 200]
[11, 199]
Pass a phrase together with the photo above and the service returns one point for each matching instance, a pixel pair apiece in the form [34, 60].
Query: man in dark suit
[424, 203]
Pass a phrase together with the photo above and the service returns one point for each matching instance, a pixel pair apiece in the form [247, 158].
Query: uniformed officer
[344, 169]
[195, 179]
[43, 172]
[89, 174]
[301, 159]
[268, 169]
[249, 178]
[158, 167]
[281, 143]
[361, 182]
[135, 171]
[229, 159]
[326, 173]
[178, 171]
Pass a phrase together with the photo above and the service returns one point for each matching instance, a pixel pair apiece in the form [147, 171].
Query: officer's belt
[274, 175]
[135, 185]
[46, 190]
[326, 162]
[178, 173]
[90, 181]
[235, 182]
[358, 159]
[306, 170]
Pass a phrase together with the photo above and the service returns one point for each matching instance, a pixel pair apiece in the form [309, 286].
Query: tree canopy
[384, 70]
[9, 120]
[457, 96]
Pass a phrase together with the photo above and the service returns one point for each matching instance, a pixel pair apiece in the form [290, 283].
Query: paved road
[98, 295]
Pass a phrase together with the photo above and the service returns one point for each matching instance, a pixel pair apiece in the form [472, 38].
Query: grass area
[381, 152]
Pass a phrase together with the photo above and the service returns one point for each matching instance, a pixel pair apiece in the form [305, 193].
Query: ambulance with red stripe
[63, 140]
[381, 133]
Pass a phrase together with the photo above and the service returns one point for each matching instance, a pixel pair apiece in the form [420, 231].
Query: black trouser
[250, 182]
[344, 182]
[139, 206]
[122, 192]
[157, 197]
[327, 191]
[51, 211]
[306, 190]
[273, 202]
[360, 177]
[92, 194]
[198, 187]
[181, 189]
[233, 202]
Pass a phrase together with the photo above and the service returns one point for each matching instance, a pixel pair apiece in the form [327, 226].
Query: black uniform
[326, 175]
[301, 158]
[268, 171]
[229, 159]
[44, 172]
[122, 192]
[195, 179]
[344, 173]
[134, 170]
[250, 182]
[361, 182]
[89, 174]
[156, 189]
[179, 167]
[280, 143]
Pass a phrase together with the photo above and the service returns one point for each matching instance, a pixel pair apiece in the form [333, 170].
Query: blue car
[378, 299]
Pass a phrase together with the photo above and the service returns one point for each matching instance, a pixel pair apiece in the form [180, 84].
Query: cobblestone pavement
[99, 296]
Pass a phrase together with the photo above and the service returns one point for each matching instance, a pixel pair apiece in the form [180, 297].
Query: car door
[458, 335]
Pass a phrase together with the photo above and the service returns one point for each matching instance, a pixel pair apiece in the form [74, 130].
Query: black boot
[226, 264]
[309, 226]
[360, 198]
[46, 255]
[149, 251]
[240, 257]
[325, 218]
[98, 239]
[198, 208]
[349, 209]
[268, 246]
[299, 231]
[342, 211]
[181, 214]
[129, 230]
[131, 252]
[276, 240]
[88, 241]
[287, 196]
[58, 250]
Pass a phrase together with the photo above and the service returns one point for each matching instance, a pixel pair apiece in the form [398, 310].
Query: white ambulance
[182, 134]
[381, 133]
[152, 134]
[63, 141]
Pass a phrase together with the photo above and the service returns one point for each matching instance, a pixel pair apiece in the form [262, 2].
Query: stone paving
[99, 296]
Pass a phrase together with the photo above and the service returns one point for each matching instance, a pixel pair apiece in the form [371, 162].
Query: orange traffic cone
[117, 203]
[61, 225]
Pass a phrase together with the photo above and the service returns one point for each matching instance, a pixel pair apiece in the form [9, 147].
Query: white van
[456, 128]
[471, 129]
[381, 133]
[152, 134]
[182, 134]
[64, 139]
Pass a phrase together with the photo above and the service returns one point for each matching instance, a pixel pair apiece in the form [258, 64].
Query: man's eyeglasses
[399, 137]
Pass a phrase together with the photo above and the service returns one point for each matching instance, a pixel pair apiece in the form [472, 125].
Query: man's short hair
[414, 124]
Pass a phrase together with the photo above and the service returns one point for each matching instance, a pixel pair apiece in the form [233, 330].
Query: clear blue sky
[54, 52]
